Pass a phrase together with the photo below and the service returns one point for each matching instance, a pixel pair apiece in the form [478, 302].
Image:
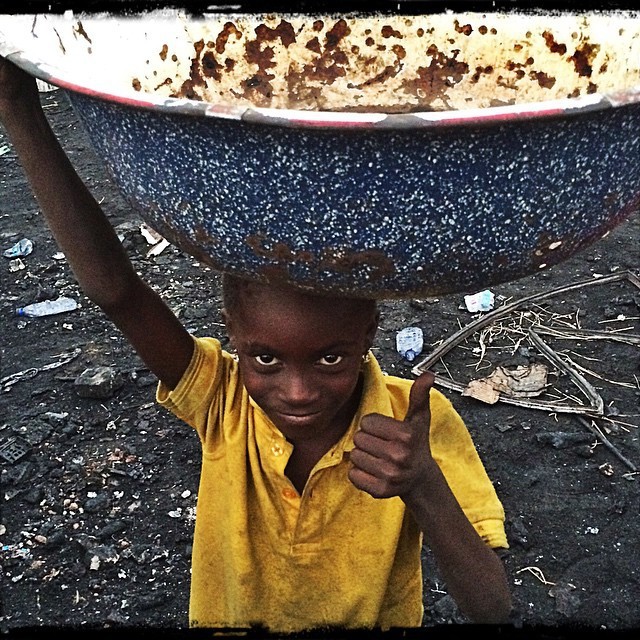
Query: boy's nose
[299, 389]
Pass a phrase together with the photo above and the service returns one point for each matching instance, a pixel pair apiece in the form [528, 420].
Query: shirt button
[289, 493]
[276, 449]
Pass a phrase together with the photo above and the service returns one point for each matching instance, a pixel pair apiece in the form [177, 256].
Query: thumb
[419, 398]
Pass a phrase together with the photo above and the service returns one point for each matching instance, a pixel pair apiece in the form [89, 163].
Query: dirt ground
[99, 493]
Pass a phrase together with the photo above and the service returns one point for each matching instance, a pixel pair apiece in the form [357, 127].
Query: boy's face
[300, 358]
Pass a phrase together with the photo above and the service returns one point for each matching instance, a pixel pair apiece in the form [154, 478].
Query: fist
[390, 456]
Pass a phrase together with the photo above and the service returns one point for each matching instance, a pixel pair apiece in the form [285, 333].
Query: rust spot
[466, 29]
[552, 45]
[583, 59]
[260, 54]
[389, 32]
[277, 250]
[339, 31]
[518, 47]
[544, 80]
[174, 58]
[79, 29]
[400, 51]
[228, 30]
[479, 71]
[313, 45]
[346, 261]
[284, 31]
[166, 81]
[135, 83]
[442, 73]
[369, 42]
[387, 72]
[210, 66]
[420, 32]
[342, 260]
[163, 52]
[187, 90]
[592, 88]
[483, 30]
[318, 25]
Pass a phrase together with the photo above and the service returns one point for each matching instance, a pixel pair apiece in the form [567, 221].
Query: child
[320, 476]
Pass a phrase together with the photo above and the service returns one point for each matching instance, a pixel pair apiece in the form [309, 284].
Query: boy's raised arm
[86, 237]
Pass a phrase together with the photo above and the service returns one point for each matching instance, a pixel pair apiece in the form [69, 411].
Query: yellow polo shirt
[333, 556]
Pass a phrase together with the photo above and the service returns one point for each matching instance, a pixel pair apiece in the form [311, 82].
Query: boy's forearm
[77, 222]
[472, 571]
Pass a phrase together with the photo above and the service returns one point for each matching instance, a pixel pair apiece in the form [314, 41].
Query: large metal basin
[375, 155]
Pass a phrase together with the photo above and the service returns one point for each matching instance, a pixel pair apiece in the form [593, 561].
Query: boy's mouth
[298, 419]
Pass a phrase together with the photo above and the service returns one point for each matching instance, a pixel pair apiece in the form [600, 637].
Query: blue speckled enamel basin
[383, 156]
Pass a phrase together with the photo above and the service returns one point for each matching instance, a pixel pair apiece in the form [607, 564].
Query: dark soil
[99, 493]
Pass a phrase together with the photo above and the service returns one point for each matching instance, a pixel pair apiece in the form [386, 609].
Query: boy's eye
[266, 360]
[330, 360]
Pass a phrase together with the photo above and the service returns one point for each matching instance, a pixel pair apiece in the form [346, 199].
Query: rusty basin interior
[339, 63]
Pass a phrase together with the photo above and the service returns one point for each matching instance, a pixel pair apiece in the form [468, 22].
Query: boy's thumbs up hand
[391, 456]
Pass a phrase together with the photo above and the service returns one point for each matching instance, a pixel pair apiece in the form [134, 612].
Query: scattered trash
[58, 255]
[44, 87]
[14, 449]
[47, 307]
[8, 381]
[565, 365]
[157, 249]
[409, 342]
[4, 149]
[482, 301]
[21, 248]
[149, 234]
[524, 381]
[153, 238]
[16, 265]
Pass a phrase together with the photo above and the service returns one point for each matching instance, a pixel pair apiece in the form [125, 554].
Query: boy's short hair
[234, 289]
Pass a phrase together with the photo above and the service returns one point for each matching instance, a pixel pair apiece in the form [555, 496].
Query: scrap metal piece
[14, 449]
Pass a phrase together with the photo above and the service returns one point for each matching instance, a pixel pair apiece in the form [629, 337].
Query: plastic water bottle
[409, 342]
[47, 307]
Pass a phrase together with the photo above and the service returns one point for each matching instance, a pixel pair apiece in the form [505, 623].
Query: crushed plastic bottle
[481, 301]
[21, 248]
[47, 307]
[409, 342]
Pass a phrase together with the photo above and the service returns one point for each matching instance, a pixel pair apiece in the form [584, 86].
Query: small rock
[56, 539]
[567, 600]
[518, 533]
[562, 439]
[34, 496]
[111, 528]
[151, 600]
[447, 611]
[98, 382]
[100, 555]
[99, 503]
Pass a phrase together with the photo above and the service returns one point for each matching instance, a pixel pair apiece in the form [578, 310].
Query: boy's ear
[228, 323]
[372, 329]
